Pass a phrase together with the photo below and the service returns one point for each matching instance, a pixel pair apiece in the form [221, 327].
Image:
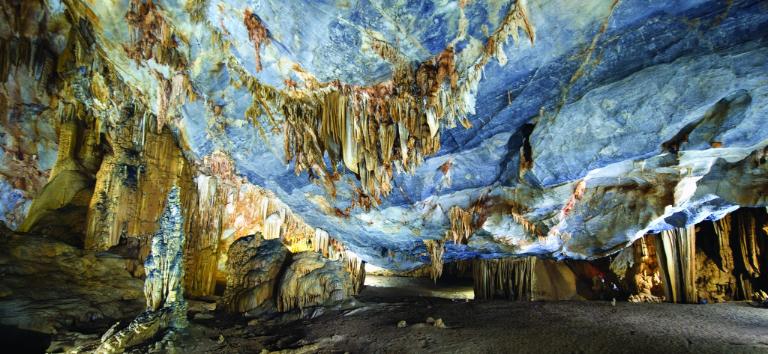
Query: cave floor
[370, 326]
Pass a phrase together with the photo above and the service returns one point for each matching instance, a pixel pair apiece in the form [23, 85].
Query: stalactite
[273, 224]
[527, 225]
[461, 225]
[257, 33]
[725, 252]
[152, 37]
[510, 278]
[356, 269]
[171, 94]
[676, 252]
[436, 248]
[370, 129]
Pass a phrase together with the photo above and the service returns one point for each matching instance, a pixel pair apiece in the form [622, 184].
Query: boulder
[311, 280]
[253, 269]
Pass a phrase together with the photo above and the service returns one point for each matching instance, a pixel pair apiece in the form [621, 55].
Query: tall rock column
[676, 252]
[163, 287]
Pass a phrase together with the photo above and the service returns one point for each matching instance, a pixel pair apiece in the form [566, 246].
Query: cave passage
[431, 176]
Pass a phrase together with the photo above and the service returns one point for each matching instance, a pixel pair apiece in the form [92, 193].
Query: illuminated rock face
[163, 285]
[311, 280]
[253, 269]
[602, 122]
[49, 286]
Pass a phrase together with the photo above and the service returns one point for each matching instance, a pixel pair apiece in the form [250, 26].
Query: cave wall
[87, 160]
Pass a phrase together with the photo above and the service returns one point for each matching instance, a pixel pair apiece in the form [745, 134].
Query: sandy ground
[370, 326]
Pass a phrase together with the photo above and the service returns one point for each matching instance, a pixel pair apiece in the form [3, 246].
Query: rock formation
[676, 253]
[163, 286]
[512, 279]
[48, 286]
[104, 111]
[538, 145]
[253, 270]
[311, 280]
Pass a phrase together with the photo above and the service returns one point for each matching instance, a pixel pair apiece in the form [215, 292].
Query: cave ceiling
[564, 129]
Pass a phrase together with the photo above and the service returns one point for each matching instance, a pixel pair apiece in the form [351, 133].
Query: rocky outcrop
[554, 281]
[311, 280]
[637, 267]
[163, 286]
[253, 270]
[49, 286]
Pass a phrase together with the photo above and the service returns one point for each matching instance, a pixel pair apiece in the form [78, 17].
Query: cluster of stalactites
[676, 250]
[333, 249]
[750, 246]
[152, 37]
[396, 123]
[436, 249]
[356, 269]
[327, 246]
[461, 225]
[725, 253]
[369, 131]
[510, 278]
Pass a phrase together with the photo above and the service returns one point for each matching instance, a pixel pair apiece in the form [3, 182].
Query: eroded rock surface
[48, 286]
[311, 280]
[253, 269]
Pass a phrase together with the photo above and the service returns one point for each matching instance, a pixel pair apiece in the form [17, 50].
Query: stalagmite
[508, 278]
[163, 286]
[637, 266]
[676, 252]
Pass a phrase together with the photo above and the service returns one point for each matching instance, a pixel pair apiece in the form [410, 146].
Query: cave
[378, 176]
